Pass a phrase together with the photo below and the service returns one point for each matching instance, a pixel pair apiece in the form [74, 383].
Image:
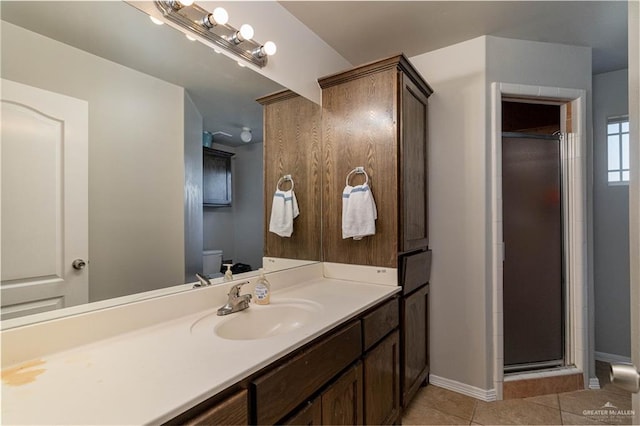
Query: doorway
[578, 355]
[533, 278]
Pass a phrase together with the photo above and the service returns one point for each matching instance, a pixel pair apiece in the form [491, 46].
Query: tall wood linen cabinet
[375, 116]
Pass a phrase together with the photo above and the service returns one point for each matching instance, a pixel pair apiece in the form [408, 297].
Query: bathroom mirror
[151, 93]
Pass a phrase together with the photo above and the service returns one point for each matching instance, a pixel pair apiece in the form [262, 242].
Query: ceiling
[363, 31]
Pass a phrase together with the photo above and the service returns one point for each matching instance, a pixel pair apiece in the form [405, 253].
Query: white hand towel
[283, 210]
[358, 212]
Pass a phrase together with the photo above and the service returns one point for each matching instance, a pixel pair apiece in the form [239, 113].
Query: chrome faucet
[203, 281]
[236, 302]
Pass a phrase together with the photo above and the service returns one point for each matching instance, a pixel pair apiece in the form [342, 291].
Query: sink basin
[260, 322]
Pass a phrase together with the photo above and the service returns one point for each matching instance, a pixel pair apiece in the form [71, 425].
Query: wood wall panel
[359, 128]
[292, 138]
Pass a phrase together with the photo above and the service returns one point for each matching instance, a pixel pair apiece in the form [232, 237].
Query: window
[618, 150]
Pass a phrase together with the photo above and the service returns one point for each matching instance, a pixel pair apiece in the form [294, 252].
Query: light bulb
[220, 15]
[186, 2]
[190, 38]
[246, 32]
[156, 20]
[270, 48]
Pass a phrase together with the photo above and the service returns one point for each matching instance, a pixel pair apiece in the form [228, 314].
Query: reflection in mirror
[149, 93]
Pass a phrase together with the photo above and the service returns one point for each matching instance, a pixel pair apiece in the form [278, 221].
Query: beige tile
[546, 400]
[515, 412]
[445, 401]
[611, 388]
[421, 415]
[542, 386]
[581, 401]
[574, 419]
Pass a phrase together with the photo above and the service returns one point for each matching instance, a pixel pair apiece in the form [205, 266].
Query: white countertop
[152, 374]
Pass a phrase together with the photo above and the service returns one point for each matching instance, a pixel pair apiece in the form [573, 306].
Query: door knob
[625, 376]
[79, 264]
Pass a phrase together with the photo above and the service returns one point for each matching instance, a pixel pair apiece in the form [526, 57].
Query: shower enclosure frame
[578, 328]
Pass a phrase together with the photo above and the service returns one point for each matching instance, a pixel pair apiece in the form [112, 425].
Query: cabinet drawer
[280, 391]
[415, 270]
[379, 323]
[231, 411]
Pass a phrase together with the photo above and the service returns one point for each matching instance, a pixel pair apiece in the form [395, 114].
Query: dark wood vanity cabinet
[348, 376]
[376, 116]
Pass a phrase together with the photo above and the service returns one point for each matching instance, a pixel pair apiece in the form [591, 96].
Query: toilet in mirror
[212, 263]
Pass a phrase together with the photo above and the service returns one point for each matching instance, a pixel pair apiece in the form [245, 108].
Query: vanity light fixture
[156, 20]
[213, 27]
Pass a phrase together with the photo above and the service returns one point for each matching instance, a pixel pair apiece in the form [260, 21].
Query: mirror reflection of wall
[151, 94]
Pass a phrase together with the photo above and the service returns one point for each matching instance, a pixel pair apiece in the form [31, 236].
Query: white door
[44, 226]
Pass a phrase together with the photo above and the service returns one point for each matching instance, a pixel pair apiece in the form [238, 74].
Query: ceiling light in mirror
[156, 20]
[245, 135]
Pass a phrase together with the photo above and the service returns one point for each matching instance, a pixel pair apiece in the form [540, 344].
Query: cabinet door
[310, 415]
[216, 178]
[231, 411]
[342, 401]
[414, 342]
[382, 382]
[413, 163]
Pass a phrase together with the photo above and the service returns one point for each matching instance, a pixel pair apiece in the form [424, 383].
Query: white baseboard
[594, 383]
[463, 388]
[611, 358]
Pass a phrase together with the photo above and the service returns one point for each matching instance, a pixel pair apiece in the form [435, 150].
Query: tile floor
[437, 406]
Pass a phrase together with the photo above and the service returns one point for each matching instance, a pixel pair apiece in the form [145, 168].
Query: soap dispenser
[262, 290]
[228, 275]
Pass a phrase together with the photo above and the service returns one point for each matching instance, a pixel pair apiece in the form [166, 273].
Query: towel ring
[284, 179]
[360, 171]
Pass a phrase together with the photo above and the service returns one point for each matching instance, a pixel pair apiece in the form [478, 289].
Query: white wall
[248, 204]
[459, 192]
[459, 305]
[193, 233]
[136, 170]
[611, 224]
